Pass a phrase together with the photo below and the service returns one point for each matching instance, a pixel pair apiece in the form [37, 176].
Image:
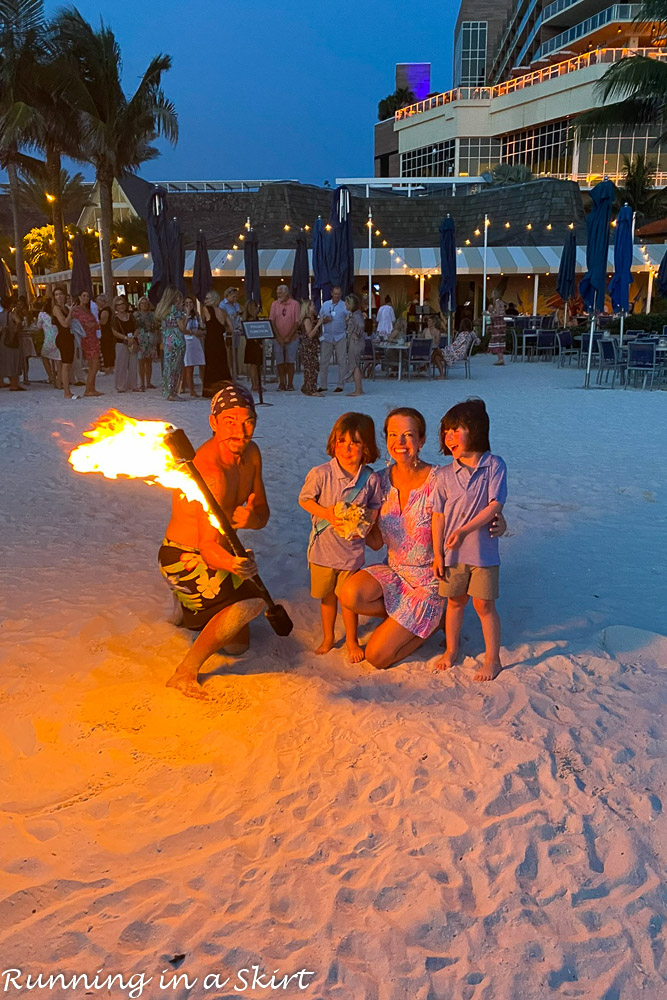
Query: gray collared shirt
[327, 485]
[461, 493]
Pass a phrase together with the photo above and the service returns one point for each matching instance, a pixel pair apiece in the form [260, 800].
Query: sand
[398, 834]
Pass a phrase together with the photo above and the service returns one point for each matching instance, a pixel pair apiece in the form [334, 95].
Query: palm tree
[637, 86]
[116, 130]
[389, 105]
[511, 173]
[638, 189]
[21, 46]
[36, 192]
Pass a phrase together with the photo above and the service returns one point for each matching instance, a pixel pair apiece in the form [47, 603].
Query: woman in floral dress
[403, 590]
[147, 338]
[309, 335]
[169, 314]
[498, 331]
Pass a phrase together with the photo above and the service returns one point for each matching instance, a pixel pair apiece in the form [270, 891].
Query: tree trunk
[15, 198]
[106, 216]
[53, 180]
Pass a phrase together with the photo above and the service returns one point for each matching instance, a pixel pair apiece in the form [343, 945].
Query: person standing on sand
[285, 316]
[209, 582]
[355, 334]
[498, 332]
[333, 315]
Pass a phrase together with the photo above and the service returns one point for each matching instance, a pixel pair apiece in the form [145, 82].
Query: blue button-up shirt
[463, 492]
[335, 330]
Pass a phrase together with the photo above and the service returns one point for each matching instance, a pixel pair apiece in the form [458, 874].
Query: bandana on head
[232, 395]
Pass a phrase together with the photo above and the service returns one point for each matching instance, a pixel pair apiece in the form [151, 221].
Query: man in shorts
[211, 584]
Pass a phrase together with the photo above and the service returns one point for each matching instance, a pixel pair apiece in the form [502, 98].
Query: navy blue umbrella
[251, 262]
[447, 290]
[156, 225]
[300, 271]
[341, 258]
[592, 286]
[176, 250]
[321, 279]
[202, 280]
[662, 278]
[568, 263]
[619, 286]
[81, 279]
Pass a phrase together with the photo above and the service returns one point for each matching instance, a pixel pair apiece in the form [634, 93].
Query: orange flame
[123, 446]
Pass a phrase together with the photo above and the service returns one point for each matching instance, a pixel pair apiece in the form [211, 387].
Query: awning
[384, 262]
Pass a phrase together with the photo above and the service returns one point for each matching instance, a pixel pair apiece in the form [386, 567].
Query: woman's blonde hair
[251, 310]
[144, 298]
[214, 297]
[305, 309]
[168, 299]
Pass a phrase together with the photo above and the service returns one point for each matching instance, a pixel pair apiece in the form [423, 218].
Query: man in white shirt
[333, 315]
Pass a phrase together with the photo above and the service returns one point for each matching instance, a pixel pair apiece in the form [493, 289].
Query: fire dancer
[210, 583]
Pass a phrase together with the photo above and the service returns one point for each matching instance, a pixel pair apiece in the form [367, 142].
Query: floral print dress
[409, 588]
[146, 335]
[173, 348]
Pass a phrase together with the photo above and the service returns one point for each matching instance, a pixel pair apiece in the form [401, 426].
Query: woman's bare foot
[187, 685]
[150, 386]
[326, 645]
[94, 393]
[446, 662]
[355, 653]
[488, 672]
[356, 394]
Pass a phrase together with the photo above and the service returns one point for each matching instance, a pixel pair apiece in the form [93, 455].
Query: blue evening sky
[270, 89]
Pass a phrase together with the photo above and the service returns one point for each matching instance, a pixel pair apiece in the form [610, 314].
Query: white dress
[386, 320]
[194, 348]
[49, 349]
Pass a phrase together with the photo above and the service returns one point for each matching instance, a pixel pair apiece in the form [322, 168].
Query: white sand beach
[401, 835]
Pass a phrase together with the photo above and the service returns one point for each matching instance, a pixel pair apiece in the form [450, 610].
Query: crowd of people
[83, 337]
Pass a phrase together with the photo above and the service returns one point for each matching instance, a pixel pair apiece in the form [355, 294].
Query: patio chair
[367, 360]
[531, 345]
[583, 350]
[545, 346]
[641, 361]
[565, 348]
[419, 355]
[609, 361]
[464, 362]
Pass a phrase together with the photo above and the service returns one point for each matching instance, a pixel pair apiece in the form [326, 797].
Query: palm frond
[636, 76]
[631, 112]
[21, 16]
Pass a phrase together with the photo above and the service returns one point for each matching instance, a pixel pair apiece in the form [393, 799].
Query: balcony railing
[611, 15]
[586, 59]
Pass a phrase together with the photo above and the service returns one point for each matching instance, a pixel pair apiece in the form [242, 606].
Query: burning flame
[122, 446]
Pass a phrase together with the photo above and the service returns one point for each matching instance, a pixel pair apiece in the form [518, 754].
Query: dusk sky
[275, 90]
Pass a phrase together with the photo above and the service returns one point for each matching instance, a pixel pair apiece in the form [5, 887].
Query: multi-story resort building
[523, 70]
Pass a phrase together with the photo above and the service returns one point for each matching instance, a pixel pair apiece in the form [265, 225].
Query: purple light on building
[415, 77]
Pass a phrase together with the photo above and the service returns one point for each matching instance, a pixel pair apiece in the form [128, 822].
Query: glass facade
[478, 155]
[546, 149]
[605, 154]
[436, 160]
[470, 54]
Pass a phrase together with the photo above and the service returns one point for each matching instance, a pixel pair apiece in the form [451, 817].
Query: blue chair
[367, 361]
[641, 361]
[419, 355]
[545, 345]
[583, 350]
[609, 361]
[565, 348]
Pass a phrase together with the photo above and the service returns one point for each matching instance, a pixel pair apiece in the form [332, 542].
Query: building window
[605, 154]
[546, 149]
[470, 54]
[436, 160]
[478, 155]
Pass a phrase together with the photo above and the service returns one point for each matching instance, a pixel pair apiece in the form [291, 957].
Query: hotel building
[523, 70]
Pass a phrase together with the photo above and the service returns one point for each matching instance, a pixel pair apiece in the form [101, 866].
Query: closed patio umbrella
[81, 279]
[300, 272]
[619, 286]
[176, 251]
[254, 352]
[568, 263]
[341, 258]
[321, 279]
[592, 286]
[662, 278]
[202, 279]
[447, 290]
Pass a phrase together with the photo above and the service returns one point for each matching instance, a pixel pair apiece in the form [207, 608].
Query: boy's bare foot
[355, 653]
[488, 672]
[326, 645]
[187, 685]
[445, 662]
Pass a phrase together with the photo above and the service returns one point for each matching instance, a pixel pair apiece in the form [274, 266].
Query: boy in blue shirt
[471, 493]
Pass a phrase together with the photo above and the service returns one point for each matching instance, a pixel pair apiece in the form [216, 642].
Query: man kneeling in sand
[211, 583]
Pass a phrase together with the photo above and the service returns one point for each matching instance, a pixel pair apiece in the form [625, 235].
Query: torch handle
[228, 532]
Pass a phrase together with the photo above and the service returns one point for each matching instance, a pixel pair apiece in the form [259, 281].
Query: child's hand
[439, 566]
[330, 516]
[455, 540]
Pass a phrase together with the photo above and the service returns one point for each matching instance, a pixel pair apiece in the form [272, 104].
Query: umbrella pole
[622, 326]
[449, 327]
[565, 314]
[590, 352]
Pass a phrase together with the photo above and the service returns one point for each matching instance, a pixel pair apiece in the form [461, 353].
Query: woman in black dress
[64, 338]
[218, 325]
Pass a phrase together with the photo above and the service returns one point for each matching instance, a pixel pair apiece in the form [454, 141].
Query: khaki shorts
[325, 581]
[475, 581]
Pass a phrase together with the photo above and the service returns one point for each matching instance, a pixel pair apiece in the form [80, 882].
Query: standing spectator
[169, 314]
[124, 329]
[50, 353]
[107, 340]
[64, 338]
[310, 348]
[355, 333]
[11, 360]
[254, 353]
[285, 316]
[231, 306]
[23, 315]
[333, 314]
[413, 319]
[194, 351]
[147, 339]
[386, 318]
[89, 334]
[498, 333]
[218, 324]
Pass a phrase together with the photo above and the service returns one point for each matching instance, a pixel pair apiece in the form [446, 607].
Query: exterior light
[229, 256]
[307, 228]
[286, 228]
[507, 225]
[477, 232]
[241, 236]
[548, 225]
[467, 243]
[146, 255]
[119, 239]
[369, 224]
[529, 226]
[571, 226]
[12, 249]
[384, 243]
[378, 233]
[327, 227]
[134, 249]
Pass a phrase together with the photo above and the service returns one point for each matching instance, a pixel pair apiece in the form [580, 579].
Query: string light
[529, 226]
[548, 225]
[287, 228]
[384, 243]
[507, 225]
[477, 232]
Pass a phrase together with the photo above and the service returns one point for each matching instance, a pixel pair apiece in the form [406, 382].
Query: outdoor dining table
[393, 346]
